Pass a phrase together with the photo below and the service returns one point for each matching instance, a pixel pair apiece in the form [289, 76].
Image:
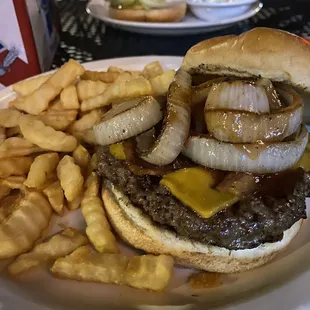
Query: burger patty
[247, 224]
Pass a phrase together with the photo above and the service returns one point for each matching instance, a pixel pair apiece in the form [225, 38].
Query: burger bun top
[261, 52]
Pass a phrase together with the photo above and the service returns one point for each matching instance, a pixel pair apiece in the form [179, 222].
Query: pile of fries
[47, 167]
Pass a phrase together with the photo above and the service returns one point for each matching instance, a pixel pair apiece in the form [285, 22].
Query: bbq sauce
[203, 280]
[279, 184]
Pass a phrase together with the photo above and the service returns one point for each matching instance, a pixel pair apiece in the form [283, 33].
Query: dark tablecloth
[85, 38]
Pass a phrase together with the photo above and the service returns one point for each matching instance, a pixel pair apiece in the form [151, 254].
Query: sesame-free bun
[169, 14]
[262, 52]
[137, 229]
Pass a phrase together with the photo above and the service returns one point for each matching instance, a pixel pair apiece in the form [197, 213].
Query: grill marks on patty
[247, 224]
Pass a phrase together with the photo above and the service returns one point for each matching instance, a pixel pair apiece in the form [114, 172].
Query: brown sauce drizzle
[279, 184]
[202, 280]
[252, 151]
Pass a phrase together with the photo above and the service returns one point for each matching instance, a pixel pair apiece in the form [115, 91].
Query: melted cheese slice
[193, 187]
[304, 161]
[117, 151]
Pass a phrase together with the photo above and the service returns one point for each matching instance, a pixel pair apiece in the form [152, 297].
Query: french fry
[115, 69]
[70, 177]
[55, 196]
[120, 70]
[59, 245]
[133, 88]
[81, 156]
[13, 131]
[85, 136]
[58, 119]
[30, 218]
[39, 99]
[92, 186]
[14, 182]
[69, 98]
[9, 118]
[106, 77]
[67, 74]
[161, 83]
[93, 163]
[152, 70]
[124, 77]
[2, 135]
[56, 104]
[17, 146]
[45, 136]
[50, 179]
[40, 169]
[4, 191]
[98, 229]
[26, 87]
[145, 272]
[75, 203]
[6, 185]
[87, 121]
[87, 89]
[14, 166]
[8, 204]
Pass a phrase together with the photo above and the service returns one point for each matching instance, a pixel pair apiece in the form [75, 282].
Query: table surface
[85, 38]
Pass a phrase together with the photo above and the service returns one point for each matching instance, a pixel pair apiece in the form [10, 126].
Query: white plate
[222, 3]
[286, 280]
[190, 24]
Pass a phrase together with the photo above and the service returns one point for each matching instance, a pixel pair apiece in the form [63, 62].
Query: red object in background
[29, 36]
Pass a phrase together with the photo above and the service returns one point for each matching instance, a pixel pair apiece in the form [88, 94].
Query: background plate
[283, 284]
[190, 24]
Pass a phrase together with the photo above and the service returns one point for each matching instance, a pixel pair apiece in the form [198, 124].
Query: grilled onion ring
[238, 95]
[246, 127]
[128, 119]
[254, 158]
[200, 92]
[176, 126]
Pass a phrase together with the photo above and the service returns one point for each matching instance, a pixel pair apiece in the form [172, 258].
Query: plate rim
[253, 10]
[221, 4]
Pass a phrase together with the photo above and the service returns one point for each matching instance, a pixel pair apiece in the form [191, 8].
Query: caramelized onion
[245, 127]
[146, 139]
[273, 98]
[176, 124]
[254, 158]
[200, 92]
[128, 119]
[238, 95]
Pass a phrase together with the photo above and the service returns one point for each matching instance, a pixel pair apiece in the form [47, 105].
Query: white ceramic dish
[285, 281]
[214, 11]
[189, 25]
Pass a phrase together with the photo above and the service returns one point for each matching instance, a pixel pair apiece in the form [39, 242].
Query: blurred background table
[85, 38]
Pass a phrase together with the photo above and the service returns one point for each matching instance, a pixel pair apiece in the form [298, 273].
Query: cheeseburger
[156, 11]
[217, 175]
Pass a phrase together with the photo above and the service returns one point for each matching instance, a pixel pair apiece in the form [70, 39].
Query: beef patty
[247, 224]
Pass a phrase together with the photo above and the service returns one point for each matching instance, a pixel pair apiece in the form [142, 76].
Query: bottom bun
[170, 14]
[137, 229]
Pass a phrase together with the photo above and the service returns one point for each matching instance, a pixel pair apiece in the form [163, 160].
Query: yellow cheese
[193, 187]
[304, 161]
[117, 151]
